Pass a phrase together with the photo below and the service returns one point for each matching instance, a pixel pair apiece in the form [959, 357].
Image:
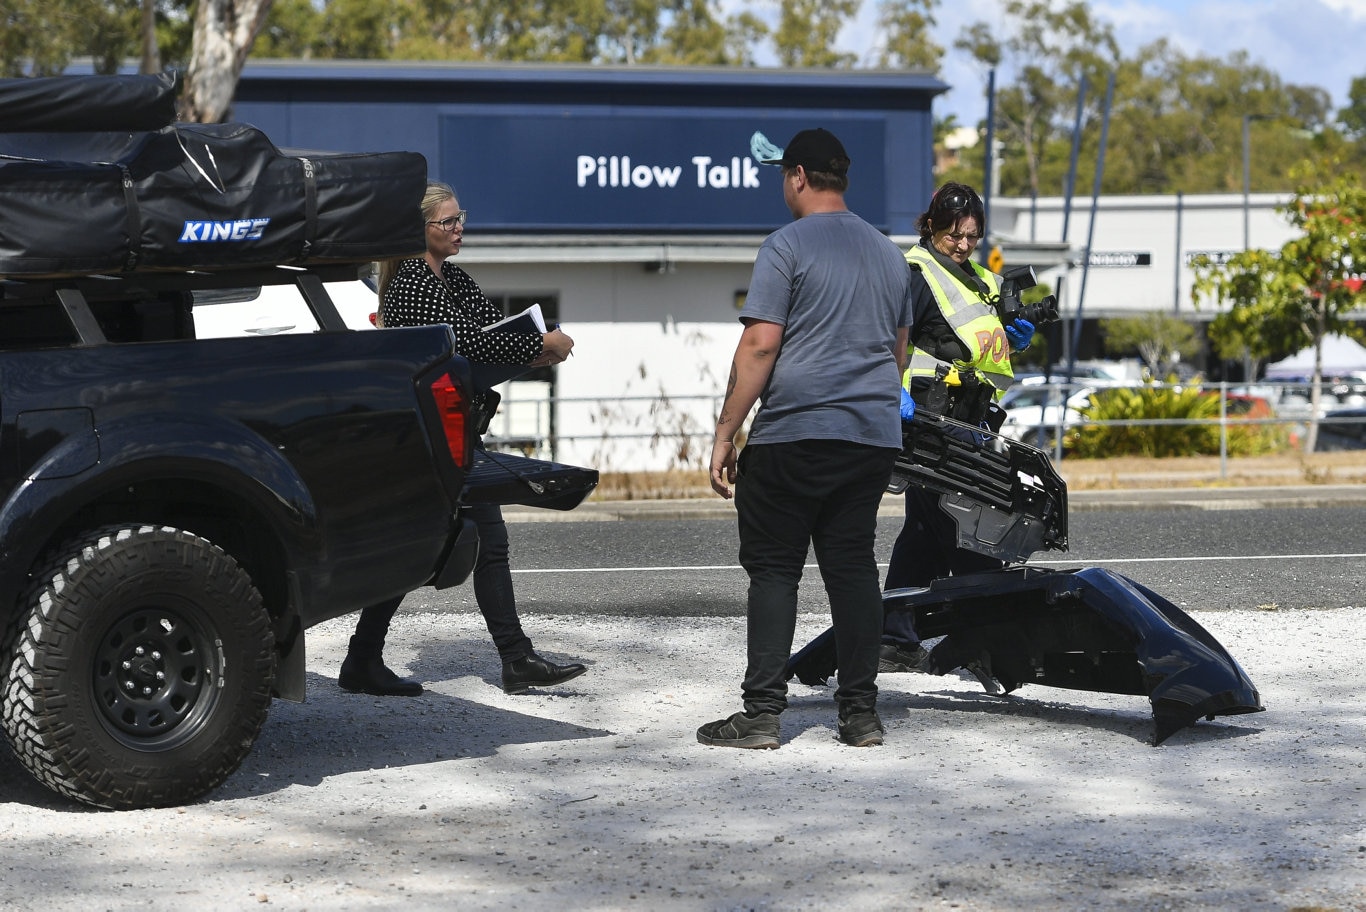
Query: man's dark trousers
[823, 494]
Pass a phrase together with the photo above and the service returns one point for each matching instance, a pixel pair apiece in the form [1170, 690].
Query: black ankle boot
[533, 671]
[372, 676]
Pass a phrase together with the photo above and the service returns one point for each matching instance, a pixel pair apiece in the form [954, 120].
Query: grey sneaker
[757, 732]
[861, 729]
[896, 659]
[980, 668]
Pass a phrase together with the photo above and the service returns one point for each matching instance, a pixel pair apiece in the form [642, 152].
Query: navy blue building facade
[549, 149]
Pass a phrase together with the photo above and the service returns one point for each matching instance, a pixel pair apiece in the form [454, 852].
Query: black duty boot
[861, 728]
[522, 674]
[372, 676]
[895, 658]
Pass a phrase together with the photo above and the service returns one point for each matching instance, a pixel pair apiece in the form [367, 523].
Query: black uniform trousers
[925, 550]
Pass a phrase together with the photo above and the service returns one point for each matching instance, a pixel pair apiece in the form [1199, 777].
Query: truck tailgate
[505, 478]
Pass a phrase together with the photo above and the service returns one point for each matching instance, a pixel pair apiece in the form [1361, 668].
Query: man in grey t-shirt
[826, 323]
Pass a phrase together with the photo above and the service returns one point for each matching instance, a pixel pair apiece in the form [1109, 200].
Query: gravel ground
[599, 797]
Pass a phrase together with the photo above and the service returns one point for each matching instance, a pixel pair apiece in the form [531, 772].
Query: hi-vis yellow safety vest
[973, 320]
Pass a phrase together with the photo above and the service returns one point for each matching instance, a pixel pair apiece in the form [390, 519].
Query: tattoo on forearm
[725, 403]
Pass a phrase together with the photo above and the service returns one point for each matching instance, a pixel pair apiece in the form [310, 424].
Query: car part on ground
[1079, 629]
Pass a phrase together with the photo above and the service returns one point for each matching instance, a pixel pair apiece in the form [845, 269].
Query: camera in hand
[1015, 280]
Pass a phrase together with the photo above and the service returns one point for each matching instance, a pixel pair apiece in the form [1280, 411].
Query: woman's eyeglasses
[449, 224]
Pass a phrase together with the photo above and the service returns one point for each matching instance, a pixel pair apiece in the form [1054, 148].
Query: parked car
[1034, 410]
[273, 309]
[1342, 429]
[1293, 395]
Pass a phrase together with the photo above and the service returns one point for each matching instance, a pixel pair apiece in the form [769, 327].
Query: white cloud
[1355, 8]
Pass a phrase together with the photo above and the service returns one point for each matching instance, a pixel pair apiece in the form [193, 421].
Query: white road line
[1111, 560]
[1172, 560]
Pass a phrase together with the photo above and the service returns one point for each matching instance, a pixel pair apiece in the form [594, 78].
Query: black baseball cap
[814, 150]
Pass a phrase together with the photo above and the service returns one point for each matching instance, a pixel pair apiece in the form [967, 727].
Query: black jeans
[822, 494]
[492, 591]
[925, 550]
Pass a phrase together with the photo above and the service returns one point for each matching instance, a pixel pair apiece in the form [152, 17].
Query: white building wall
[1168, 229]
[651, 356]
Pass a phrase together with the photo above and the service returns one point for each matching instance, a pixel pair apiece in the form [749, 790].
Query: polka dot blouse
[418, 297]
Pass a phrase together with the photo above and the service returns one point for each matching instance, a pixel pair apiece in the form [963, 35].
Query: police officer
[959, 366]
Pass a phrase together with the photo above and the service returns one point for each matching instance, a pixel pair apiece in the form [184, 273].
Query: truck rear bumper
[459, 560]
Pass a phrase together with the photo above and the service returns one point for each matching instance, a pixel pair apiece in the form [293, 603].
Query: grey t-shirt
[840, 289]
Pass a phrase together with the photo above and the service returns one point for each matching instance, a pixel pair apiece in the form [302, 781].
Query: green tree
[292, 29]
[1175, 121]
[1353, 116]
[1161, 340]
[1050, 51]
[906, 45]
[807, 30]
[40, 37]
[674, 32]
[1177, 124]
[1314, 283]
[1258, 332]
[693, 35]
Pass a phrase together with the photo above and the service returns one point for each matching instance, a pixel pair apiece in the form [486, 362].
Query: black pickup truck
[176, 512]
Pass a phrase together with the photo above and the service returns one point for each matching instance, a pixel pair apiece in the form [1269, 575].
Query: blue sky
[1306, 42]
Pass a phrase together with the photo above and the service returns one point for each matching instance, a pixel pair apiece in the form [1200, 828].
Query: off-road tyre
[139, 670]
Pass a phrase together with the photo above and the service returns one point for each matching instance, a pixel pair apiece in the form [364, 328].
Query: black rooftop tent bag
[88, 104]
[181, 196]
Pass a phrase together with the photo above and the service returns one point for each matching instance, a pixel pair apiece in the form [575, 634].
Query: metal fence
[1341, 415]
[626, 433]
[675, 432]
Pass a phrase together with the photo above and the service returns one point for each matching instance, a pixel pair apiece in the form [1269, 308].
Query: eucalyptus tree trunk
[224, 31]
[151, 54]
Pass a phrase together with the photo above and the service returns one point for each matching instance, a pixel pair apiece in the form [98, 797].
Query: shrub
[1146, 403]
[1175, 404]
[1252, 439]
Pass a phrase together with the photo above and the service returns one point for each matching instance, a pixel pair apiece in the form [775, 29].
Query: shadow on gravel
[1027, 703]
[336, 733]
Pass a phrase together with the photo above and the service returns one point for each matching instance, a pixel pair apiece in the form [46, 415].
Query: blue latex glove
[907, 405]
[1020, 332]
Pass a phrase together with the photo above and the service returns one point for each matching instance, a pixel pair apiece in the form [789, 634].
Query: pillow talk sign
[617, 171]
[692, 171]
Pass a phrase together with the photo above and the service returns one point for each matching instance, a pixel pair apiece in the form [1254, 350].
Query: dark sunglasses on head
[954, 202]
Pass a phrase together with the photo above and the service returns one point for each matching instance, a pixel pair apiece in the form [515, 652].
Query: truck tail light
[454, 409]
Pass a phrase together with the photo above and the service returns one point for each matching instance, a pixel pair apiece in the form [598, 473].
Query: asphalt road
[1203, 554]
